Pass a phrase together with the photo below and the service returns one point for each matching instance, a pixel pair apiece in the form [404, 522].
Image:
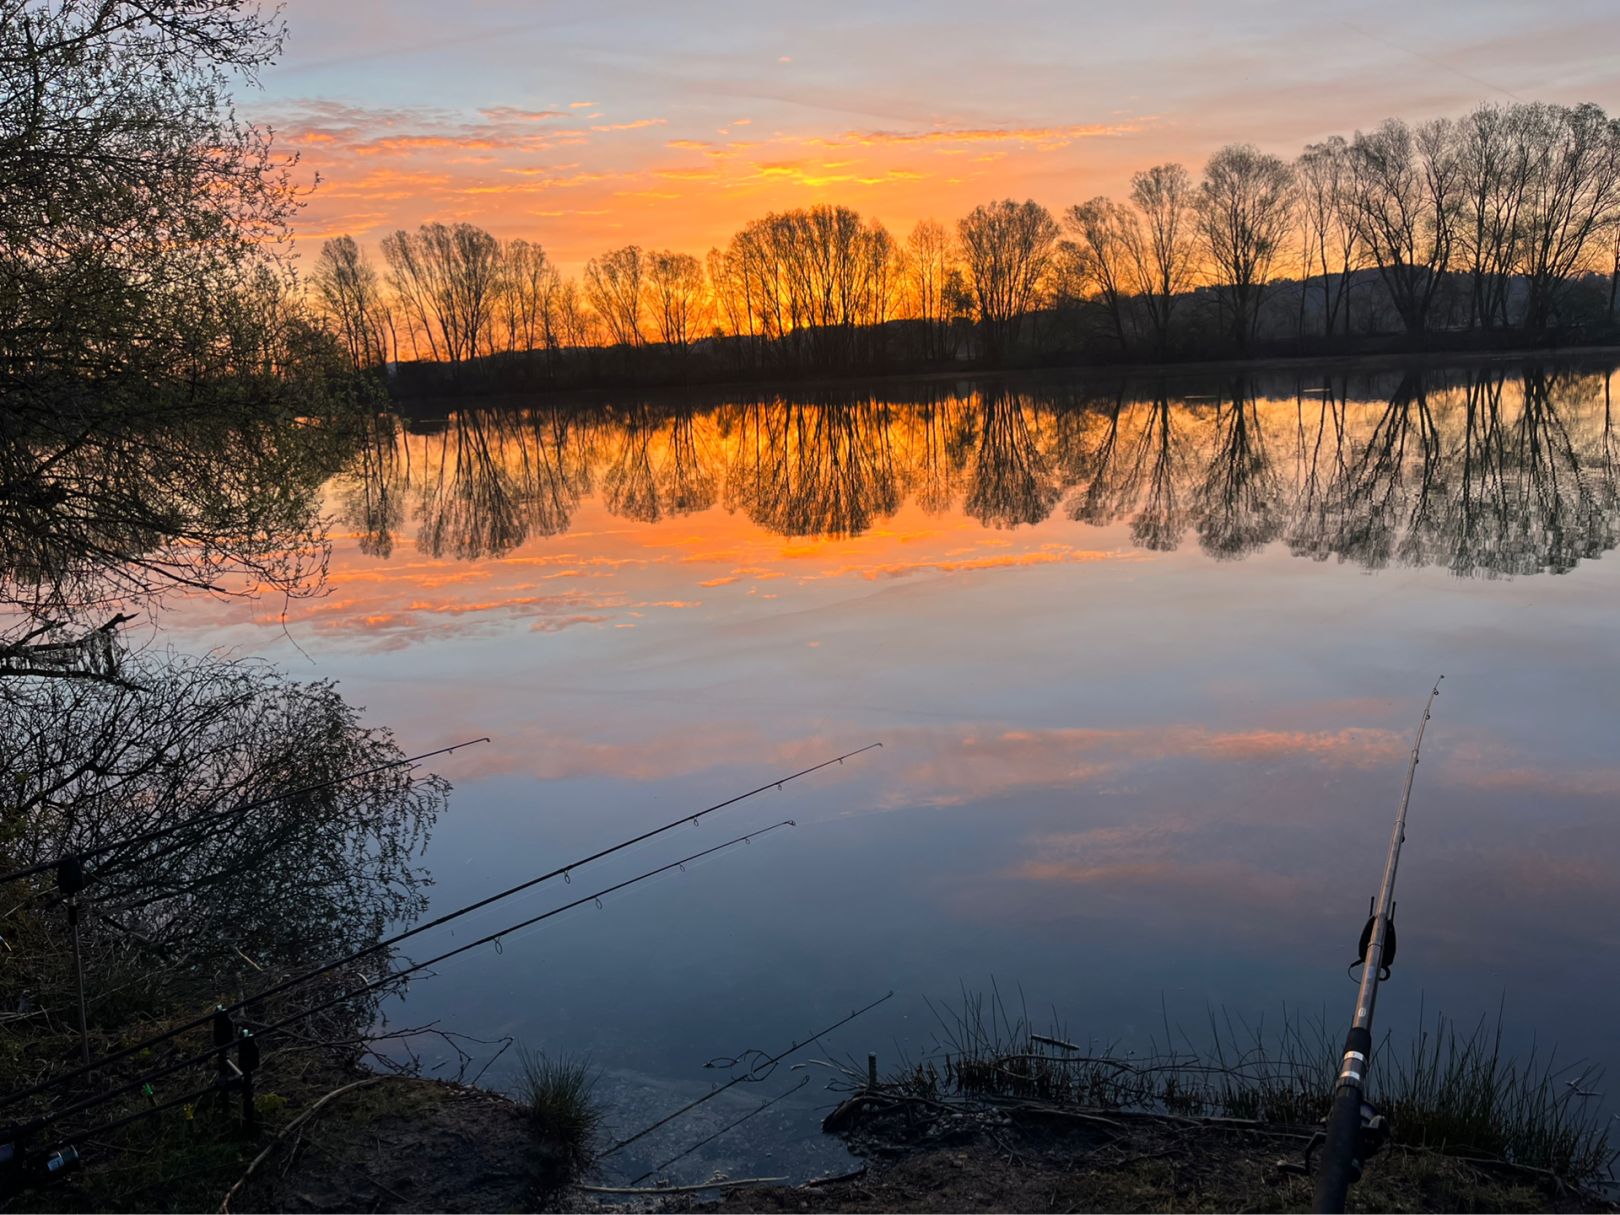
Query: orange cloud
[505, 113]
[1046, 137]
[636, 125]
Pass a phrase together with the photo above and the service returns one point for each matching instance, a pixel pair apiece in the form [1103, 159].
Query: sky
[591, 126]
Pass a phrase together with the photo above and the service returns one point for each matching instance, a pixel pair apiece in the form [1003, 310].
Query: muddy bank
[332, 1140]
[1054, 1162]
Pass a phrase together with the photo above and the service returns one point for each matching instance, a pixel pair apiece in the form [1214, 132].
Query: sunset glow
[632, 123]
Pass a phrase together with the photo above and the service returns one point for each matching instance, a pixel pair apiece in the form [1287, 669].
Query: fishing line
[755, 1073]
[386, 943]
[393, 976]
[760, 1109]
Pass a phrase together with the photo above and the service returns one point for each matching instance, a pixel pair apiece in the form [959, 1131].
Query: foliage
[229, 899]
[169, 404]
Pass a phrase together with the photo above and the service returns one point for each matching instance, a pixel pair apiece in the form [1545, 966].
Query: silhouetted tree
[1332, 247]
[675, 285]
[1404, 198]
[347, 286]
[1164, 257]
[614, 285]
[930, 259]
[1495, 159]
[526, 298]
[1244, 213]
[1008, 248]
[447, 278]
[1573, 195]
[1107, 254]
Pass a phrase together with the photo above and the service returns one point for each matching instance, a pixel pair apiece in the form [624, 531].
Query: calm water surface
[1145, 664]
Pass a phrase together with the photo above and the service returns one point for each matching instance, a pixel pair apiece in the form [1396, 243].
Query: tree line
[1491, 223]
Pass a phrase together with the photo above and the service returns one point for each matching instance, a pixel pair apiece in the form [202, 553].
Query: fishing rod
[1354, 1129]
[388, 942]
[566, 870]
[752, 1074]
[135, 841]
[14, 1134]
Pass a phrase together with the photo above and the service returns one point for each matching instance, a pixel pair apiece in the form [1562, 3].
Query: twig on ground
[678, 1189]
[225, 1203]
[834, 1180]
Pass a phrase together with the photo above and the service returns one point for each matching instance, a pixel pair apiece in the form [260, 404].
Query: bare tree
[1107, 255]
[804, 284]
[676, 289]
[1332, 249]
[1495, 158]
[526, 287]
[415, 293]
[930, 258]
[1573, 195]
[470, 261]
[447, 278]
[1244, 213]
[882, 264]
[1008, 248]
[1165, 254]
[613, 284]
[1404, 198]
[347, 286]
[577, 326]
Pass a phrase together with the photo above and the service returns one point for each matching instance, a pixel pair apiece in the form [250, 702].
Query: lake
[1145, 659]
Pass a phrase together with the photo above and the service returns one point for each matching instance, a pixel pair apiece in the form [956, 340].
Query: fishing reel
[21, 1168]
[1366, 939]
[1375, 1134]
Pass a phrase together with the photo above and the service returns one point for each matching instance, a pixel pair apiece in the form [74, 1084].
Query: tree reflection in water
[1486, 472]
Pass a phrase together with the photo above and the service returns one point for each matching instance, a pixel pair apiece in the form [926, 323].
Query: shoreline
[432, 405]
[1034, 1157]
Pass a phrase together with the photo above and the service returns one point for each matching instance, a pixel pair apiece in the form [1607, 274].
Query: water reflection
[1485, 472]
[1088, 763]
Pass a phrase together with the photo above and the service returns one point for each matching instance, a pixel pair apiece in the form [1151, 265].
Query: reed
[558, 1094]
[1442, 1087]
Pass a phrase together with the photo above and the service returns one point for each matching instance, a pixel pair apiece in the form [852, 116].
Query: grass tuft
[1446, 1090]
[557, 1092]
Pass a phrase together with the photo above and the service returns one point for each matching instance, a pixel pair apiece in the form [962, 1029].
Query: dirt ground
[1067, 1165]
[388, 1144]
[406, 1145]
